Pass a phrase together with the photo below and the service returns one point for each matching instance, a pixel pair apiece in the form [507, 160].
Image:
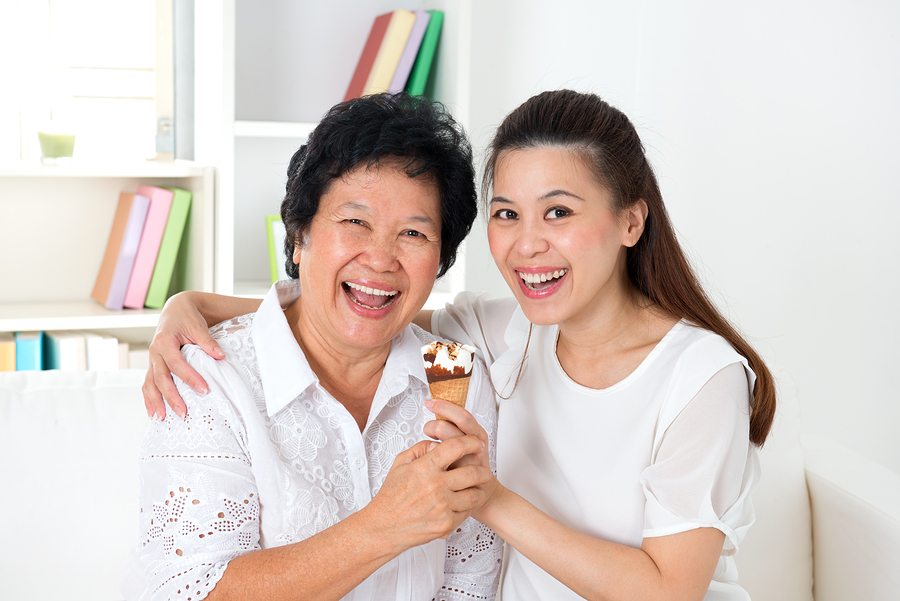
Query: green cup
[55, 145]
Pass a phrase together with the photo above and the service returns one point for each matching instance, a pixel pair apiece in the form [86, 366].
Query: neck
[611, 321]
[349, 374]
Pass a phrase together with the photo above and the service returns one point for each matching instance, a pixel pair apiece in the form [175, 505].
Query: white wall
[774, 129]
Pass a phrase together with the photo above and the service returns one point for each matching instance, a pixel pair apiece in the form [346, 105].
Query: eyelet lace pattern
[201, 495]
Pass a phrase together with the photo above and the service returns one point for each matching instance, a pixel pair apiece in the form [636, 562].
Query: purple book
[398, 83]
[128, 254]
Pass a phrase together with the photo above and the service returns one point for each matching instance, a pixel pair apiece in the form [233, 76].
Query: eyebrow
[546, 196]
[358, 206]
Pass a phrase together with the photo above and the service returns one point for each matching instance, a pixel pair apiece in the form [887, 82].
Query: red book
[367, 58]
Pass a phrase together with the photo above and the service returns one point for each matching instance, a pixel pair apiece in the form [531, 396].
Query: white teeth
[374, 291]
[536, 278]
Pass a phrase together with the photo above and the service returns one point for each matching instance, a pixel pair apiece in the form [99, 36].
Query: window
[89, 67]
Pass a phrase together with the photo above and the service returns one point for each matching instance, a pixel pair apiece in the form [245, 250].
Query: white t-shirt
[663, 451]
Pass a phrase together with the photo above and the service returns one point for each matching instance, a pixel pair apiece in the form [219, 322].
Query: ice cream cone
[453, 390]
[448, 367]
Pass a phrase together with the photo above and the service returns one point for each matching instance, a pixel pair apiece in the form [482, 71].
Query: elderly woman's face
[370, 256]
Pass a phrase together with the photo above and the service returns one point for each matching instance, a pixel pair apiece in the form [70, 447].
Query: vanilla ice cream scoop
[448, 367]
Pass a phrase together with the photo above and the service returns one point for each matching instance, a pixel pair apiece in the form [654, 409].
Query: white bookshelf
[75, 315]
[54, 225]
[265, 74]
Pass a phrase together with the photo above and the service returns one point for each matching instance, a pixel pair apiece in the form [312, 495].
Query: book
[121, 250]
[275, 234]
[151, 237]
[161, 282]
[418, 77]
[404, 67]
[139, 357]
[367, 57]
[29, 351]
[123, 348]
[102, 352]
[7, 352]
[390, 51]
[65, 351]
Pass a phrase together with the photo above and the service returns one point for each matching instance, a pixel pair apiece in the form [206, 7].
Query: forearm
[216, 308]
[592, 567]
[325, 566]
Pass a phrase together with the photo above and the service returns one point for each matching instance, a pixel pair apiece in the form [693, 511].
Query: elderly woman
[303, 472]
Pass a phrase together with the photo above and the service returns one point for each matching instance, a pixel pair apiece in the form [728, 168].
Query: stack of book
[68, 351]
[142, 249]
[398, 54]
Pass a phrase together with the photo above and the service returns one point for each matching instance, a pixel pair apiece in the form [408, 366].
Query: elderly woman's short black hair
[364, 131]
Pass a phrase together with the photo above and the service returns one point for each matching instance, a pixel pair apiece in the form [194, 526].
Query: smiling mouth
[540, 281]
[369, 298]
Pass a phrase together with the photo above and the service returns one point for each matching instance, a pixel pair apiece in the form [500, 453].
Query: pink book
[154, 227]
[398, 83]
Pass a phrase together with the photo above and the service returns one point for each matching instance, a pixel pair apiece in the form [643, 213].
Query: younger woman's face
[555, 235]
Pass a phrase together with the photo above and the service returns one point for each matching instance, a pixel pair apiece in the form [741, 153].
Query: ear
[297, 251]
[635, 218]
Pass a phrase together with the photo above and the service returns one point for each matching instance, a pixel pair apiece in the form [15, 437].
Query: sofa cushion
[69, 444]
[775, 562]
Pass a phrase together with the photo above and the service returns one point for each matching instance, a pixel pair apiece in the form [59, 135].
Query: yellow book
[7, 352]
[390, 51]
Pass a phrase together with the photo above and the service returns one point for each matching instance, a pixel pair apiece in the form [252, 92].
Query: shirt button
[358, 462]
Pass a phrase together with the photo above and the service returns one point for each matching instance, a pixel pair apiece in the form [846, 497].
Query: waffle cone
[453, 390]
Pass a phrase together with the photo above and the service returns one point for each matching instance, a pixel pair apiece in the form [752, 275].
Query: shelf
[272, 129]
[76, 315]
[132, 169]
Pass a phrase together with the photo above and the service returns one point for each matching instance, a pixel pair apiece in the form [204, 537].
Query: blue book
[29, 351]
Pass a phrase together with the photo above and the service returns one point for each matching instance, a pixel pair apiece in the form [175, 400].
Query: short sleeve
[704, 467]
[199, 506]
[477, 320]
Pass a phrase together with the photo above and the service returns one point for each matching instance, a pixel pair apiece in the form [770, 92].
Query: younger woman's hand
[180, 323]
[457, 422]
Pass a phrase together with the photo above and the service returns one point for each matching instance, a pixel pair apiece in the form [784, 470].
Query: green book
[275, 234]
[161, 281]
[421, 69]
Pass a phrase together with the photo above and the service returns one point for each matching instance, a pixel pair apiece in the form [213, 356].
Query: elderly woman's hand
[423, 498]
[180, 323]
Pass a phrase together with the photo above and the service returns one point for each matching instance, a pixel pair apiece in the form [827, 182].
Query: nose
[381, 255]
[532, 239]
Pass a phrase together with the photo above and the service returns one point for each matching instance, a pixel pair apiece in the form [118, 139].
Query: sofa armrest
[856, 525]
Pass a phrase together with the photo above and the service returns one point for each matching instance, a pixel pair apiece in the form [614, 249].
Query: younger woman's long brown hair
[656, 265]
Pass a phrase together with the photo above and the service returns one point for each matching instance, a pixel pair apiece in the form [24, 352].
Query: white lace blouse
[268, 457]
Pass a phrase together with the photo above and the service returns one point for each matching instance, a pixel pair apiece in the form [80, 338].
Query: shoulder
[482, 307]
[697, 356]
[483, 322]
[230, 394]
[697, 349]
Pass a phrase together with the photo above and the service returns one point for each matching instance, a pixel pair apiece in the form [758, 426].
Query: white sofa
[68, 510]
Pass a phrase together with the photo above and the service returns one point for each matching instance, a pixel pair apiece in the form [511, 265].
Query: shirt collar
[283, 368]
[285, 372]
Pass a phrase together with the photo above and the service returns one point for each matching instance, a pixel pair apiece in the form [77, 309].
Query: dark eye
[506, 214]
[557, 213]
[354, 221]
[413, 234]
